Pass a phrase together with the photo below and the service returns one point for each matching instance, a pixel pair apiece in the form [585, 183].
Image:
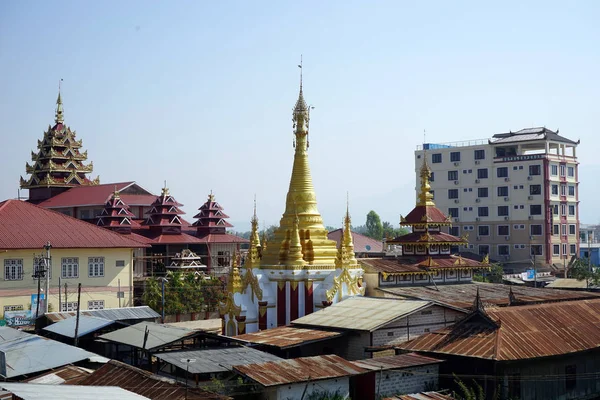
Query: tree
[494, 275]
[374, 226]
[390, 231]
[330, 228]
[582, 270]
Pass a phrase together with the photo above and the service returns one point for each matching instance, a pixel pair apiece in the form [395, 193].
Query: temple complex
[427, 254]
[58, 165]
[300, 270]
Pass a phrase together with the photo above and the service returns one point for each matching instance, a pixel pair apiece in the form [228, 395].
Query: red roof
[396, 362]
[180, 238]
[27, 226]
[423, 237]
[95, 195]
[517, 333]
[422, 214]
[222, 238]
[362, 243]
[419, 264]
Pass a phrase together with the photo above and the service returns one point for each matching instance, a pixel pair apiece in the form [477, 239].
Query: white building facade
[514, 195]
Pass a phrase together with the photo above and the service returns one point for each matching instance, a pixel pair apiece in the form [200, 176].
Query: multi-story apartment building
[515, 195]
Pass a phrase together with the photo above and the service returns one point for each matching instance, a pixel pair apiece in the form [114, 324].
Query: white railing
[462, 143]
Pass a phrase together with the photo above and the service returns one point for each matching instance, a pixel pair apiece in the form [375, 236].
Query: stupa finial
[59, 116]
[425, 197]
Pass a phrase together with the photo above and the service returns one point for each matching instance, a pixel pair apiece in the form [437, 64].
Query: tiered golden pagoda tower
[58, 165]
[301, 269]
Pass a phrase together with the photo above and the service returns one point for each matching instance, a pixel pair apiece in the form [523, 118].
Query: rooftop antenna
[300, 66]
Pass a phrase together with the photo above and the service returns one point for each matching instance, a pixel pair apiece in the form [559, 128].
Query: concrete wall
[405, 381]
[295, 391]
[17, 293]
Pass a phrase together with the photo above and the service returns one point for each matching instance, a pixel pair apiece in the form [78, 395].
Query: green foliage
[326, 396]
[582, 270]
[185, 292]
[474, 392]
[374, 226]
[390, 231]
[492, 276]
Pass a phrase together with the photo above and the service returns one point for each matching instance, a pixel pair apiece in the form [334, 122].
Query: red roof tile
[422, 214]
[27, 226]
[419, 264]
[222, 238]
[517, 333]
[429, 237]
[362, 243]
[85, 195]
[284, 337]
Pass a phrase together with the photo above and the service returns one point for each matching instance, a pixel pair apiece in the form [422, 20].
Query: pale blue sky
[200, 93]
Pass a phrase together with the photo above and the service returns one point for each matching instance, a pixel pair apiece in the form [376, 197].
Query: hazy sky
[200, 93]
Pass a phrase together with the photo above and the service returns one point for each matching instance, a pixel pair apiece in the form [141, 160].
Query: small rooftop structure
[158, 335]
[144, 383]
[530, 134]
[463, 295]
[113, 314]
[87, 324]
[517, 333]
[298, 370]
[399, 361]
[284, 337]
[209, 361]
[32, 391]
[23, 353]
[362, 313]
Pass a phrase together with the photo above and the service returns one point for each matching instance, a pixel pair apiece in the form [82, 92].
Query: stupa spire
[234, 285]
[59, 116]
[254, 250]
[425, 197]
[347, 235]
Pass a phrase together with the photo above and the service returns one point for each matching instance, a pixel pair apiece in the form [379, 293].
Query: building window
[535, 209]
[536, 249]
[455, 156]
[571, 210]
[563, 190]
[563, 209]
[482, 192]
[535, 230]
[453, 212]
[572, 249]
[482, 173]
[482, 211]
[562, 170]
[454, 230]
[502, 191]
[120, 263]
[535, 189]
[503, 250]
[70, 268]
[480, 154]
[453, 193]
[571, 229]
[555, 209]
[13, 269]
[502, 172]
[555, 229]
[571, 172]
[95, 267]
[432, 177]
[436, 158]
[484, 230]
[96, 305]
[563, 229]
[452, 175]
[554, 170]
[555, 190]
[556, 250]
[535, 170]
[503, 211]
[484, 249]
[18, 307]
[503, 230]
[571, 190]
[564, 249]
[68, 306]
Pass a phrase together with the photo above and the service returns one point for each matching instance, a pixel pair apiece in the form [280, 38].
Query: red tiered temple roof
[163, 216]
[211, 218]
[116, 215]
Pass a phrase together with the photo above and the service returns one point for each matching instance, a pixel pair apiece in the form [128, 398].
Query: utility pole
[533, 261]
[59, 297]
[37, 273]
[163, 280]
[119, 293]
[65, 296]
[48, 264]
[77, 316]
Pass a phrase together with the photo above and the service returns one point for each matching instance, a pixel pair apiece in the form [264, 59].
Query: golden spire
[254, 250]
[59, 116]
[235, 279]
[301, 201]
[347, 234]
[425, 197]
[116, 193]
[211, 196]
[295, 256]
[165, 190]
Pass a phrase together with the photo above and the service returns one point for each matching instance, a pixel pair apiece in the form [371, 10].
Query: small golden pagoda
[58, 165]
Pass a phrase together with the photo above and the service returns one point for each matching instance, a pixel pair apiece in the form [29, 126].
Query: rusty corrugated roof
[284, 337]
[396, 362]
[463, 295]
[422, 396]
[299, 370]
[116, 373]
[68, 375]
[517, 333]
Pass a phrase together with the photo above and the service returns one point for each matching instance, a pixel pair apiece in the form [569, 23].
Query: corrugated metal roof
[25, 353]
[285, 337]
[113, 314]
[419, 264]
[516, 333]
[205, 325]
[362, 313]
[422, 396]
[27, 226]
[299, 370]
[396, 362]
[32, 391]
[87, 324]
[568, 283]
[155, 387]
[159, 335]
[69, 375]
[463, 295]
[216, 360]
